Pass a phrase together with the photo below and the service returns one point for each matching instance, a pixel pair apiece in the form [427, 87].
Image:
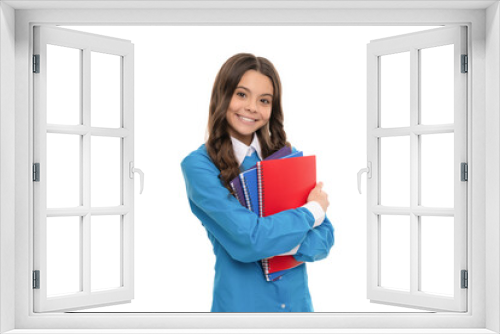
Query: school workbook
[283, 184]
[254, 193]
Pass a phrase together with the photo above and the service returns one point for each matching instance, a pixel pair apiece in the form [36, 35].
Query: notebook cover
[277, 264]
[275, 276]
[249, 184]
[238, 190]
[285, 183]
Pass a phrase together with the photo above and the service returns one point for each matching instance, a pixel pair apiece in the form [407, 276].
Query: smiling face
[250, 106]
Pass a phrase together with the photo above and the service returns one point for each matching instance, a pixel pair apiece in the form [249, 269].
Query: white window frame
[413, 44]
[86, 43]
[483, 21]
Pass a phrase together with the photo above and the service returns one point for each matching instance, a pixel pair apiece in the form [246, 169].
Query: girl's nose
[251, 106]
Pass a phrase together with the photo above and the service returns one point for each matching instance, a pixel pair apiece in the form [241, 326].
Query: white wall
[7, 190]
[323, 72]
[492, 164]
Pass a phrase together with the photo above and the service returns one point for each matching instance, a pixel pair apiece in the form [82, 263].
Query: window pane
[395, 90]
[437, 260]
[105, 252]
[105, 171]
[63, 255]
[105, 90]
[437, 85]
[63, 85]
[395, 171]
[63, 170]
[437, 170]
[395, 252]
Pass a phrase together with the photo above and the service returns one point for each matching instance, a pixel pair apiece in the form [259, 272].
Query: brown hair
[272, 136]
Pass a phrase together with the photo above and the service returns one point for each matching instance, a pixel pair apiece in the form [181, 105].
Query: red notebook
[284, 184]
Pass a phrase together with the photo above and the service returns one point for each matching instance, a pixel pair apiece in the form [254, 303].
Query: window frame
[86, 44]
[413, 44]
[483, 293]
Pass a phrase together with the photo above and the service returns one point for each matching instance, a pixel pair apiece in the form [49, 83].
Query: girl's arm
[317, 243]
[245, 236]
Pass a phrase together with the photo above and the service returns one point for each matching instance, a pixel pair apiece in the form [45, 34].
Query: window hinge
[36, 279]
[36, 63]
[465, 279]
[36, 172]
[464, 172]
[465, 64]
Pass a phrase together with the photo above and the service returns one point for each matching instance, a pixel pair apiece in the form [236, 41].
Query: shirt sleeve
[245, 236]
[317, 244]
[317, 211]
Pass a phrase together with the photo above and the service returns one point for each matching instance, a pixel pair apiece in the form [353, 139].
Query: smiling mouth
[246, 119]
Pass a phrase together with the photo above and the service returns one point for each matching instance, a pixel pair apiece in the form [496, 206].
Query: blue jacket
[241, 239]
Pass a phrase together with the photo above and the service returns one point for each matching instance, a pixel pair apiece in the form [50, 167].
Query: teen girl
[245, 125]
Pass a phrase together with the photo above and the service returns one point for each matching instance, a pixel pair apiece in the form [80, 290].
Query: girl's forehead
[254, 80]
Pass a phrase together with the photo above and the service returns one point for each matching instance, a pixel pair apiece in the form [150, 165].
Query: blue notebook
[275, 276]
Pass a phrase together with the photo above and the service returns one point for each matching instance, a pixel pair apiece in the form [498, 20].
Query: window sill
[248, 331]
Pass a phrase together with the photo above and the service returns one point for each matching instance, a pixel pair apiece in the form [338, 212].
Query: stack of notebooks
[280, 182]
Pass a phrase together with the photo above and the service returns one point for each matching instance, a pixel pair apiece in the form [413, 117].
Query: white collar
[241, 150]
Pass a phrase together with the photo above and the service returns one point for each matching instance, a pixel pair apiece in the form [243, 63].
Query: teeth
[246, 119]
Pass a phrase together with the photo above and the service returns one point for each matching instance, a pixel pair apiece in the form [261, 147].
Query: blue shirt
[241, 239]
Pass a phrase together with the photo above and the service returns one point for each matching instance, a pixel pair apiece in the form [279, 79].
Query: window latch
[133, 170]
[368, 171]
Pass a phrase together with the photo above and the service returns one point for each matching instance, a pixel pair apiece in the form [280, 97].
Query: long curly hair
[272, 136]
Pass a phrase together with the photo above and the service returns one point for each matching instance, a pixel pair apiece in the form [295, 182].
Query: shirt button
[283, 305]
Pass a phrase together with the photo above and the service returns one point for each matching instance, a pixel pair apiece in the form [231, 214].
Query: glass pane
[437, 260]
[437, 153]
[63, 170]
[395, 171]
[437, 85]
[395, 90]
[395, 252]
[63, 85]
[105, 171]
[105, 90]
[63, 255]
[105, 252]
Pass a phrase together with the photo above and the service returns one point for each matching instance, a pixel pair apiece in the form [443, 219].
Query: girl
[245, 125]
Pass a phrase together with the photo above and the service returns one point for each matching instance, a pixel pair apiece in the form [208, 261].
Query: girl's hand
[318, 195]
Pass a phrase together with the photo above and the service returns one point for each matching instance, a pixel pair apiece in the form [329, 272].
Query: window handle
[136, 170]
[368, 172]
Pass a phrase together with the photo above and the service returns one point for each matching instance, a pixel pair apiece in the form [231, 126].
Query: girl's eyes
[243, 95]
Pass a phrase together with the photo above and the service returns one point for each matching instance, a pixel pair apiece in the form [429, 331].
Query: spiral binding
[245, 192]
[234, 191]
[265, 268]
[260, 180]
[265, 262]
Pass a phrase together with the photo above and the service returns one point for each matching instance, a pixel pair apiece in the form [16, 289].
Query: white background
[323, 73]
